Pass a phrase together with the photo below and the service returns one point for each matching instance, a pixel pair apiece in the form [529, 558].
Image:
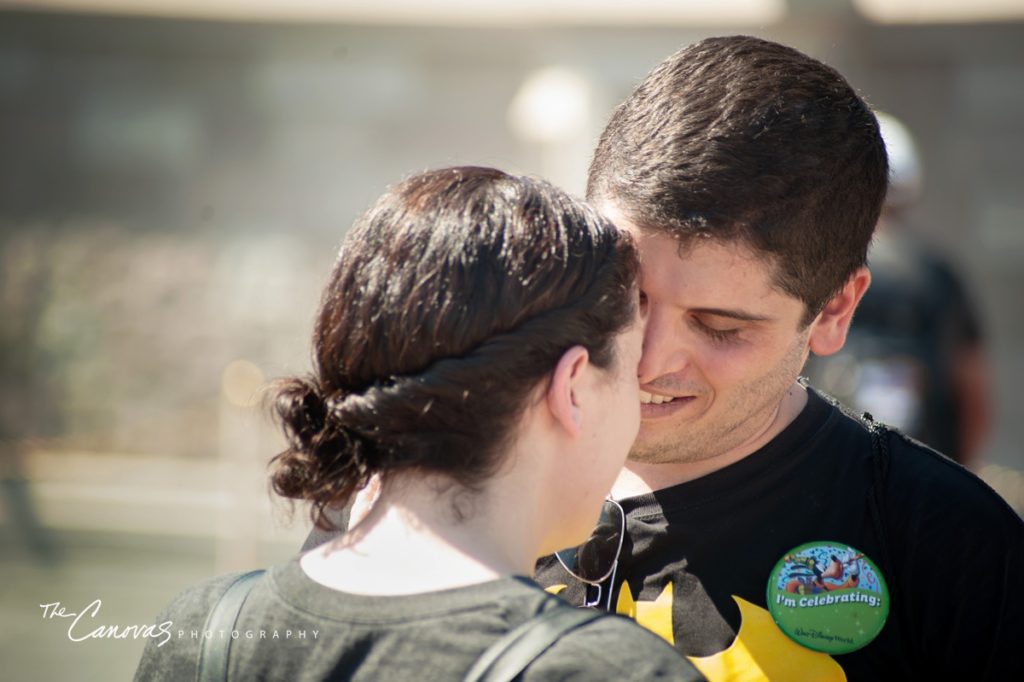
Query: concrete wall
[235, 154]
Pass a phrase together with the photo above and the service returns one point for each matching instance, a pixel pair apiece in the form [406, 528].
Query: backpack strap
[517, 649]
[213, 656]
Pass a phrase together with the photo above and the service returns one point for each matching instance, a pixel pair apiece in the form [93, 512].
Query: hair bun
[327, 460]
[302, 410]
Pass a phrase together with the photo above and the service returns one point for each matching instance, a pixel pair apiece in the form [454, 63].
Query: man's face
[721, 348]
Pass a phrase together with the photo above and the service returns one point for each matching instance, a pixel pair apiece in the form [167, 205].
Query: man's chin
[654, 454]
[655, 445]
[668, 449]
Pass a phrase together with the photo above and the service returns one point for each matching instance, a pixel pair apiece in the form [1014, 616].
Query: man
[769, 533]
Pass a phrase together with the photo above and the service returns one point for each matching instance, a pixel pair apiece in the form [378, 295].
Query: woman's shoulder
[172, 652]
[612, 647]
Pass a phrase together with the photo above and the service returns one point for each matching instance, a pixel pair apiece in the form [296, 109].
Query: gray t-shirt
[292, 628]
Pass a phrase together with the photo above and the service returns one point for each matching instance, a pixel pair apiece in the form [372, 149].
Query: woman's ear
[563, 392]
[828, 331]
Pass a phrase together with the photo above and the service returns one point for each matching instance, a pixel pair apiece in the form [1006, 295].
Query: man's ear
[828, 330]
[563, 392]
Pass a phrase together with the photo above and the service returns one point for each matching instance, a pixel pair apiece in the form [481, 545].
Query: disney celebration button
[828, 597]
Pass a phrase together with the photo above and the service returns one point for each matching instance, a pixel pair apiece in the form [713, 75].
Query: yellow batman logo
[655, 615]
[760, 651]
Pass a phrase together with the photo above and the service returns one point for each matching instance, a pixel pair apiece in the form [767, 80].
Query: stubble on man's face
[739, 414]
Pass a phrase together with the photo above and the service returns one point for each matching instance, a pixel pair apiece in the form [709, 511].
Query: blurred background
[175, 178]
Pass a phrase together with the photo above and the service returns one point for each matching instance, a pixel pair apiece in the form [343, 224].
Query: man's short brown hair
[738, 138]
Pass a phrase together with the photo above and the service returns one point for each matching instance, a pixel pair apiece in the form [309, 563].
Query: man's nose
[665, 349]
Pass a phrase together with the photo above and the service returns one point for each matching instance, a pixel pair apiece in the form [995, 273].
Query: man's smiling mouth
[654, 398]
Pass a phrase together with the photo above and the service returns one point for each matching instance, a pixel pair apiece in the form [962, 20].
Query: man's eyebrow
[733, 314]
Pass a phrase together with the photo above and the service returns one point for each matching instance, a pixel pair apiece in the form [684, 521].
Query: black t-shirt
[697, 557]
[292, 628]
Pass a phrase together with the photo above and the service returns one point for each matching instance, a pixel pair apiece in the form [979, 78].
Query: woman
[475, 353]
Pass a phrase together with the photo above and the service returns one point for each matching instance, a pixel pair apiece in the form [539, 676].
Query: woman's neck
[413, 540]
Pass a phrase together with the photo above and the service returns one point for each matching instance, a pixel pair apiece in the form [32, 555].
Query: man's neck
[641, 478]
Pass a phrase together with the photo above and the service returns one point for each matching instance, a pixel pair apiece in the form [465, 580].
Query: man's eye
[723, 335]
[718, 335]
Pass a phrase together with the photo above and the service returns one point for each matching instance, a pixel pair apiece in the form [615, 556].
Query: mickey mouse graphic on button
[828, 597]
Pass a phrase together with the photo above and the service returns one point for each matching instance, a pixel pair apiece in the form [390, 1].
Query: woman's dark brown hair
[451, 300]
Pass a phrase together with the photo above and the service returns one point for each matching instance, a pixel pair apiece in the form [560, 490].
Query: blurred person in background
[915, 355]
[772, 534]
[475, 355]
[24, 395]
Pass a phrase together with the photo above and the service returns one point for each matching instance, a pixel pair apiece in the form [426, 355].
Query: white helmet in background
[905, 178]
